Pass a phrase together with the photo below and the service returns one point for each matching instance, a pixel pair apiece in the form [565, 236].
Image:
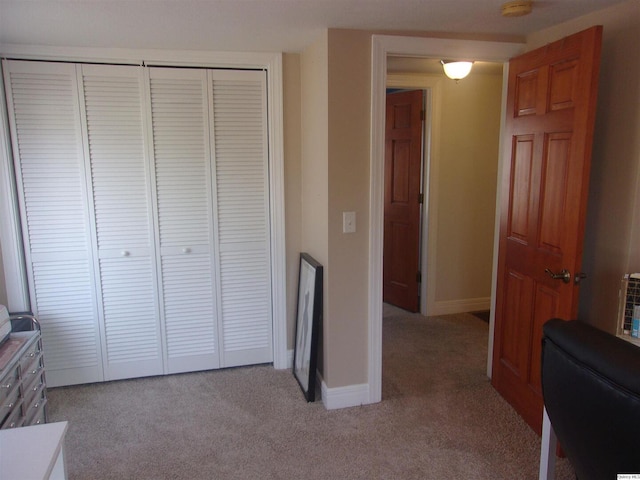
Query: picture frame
[308, 318]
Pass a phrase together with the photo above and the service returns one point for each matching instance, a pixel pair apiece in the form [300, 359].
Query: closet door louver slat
[239, 111]
[183, 191]
[113, 98]
[47, 141]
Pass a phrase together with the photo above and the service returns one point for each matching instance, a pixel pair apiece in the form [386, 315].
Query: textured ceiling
[259, 25]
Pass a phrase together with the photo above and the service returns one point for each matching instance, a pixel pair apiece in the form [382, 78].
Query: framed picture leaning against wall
[308, 318]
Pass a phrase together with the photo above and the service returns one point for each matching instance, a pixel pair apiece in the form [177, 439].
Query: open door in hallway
[403, 161]
[550, 114]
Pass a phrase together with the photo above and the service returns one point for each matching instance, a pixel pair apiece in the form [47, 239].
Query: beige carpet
[439, 419]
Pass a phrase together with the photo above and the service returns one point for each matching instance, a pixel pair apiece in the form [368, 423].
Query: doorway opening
[459, 181]
[384, 47]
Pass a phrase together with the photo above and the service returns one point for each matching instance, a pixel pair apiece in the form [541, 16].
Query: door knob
[564, 275]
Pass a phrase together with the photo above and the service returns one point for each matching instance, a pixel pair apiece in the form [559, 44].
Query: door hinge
[421, 198]
[422, 115]
[419, 277]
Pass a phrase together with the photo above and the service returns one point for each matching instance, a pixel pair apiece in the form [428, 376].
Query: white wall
[292, 183]
[467, 182]
[314, 94]
[349, 105]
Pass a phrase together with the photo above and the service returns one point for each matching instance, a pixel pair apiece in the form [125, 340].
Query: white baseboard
[344, 397]
[290, 359]
[460, 306]
[340, 397]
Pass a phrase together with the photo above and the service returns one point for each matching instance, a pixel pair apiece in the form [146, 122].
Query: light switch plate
[348, 222]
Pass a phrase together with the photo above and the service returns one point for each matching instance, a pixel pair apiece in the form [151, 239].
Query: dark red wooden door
[551, 105]
[403, 161]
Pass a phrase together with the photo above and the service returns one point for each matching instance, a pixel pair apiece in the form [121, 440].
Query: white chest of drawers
[23, 395]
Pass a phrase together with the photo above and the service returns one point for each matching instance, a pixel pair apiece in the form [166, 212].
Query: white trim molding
[10, 232]
[270, 62]
[381, 47]
[460, 306]
[344, 397]
[290, 359]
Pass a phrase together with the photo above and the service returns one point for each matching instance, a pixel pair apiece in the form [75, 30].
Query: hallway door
[403, 178]
[550, 115]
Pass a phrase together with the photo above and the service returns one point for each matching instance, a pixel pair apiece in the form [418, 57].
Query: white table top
[30, 453]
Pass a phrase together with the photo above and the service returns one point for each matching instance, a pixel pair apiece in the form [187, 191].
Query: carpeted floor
[439, 418]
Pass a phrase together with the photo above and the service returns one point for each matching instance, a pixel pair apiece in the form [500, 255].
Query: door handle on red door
[564, 275]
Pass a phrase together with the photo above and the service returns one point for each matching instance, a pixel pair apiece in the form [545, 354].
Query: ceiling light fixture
[456, 70]
[517, 8]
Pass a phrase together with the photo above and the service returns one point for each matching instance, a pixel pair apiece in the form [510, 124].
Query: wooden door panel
[555, 187]
[517, 294]
[522, 165]
[402, 116]
[400, 157]
[563, 85]
[396, 238]
[526, 94]
[549, 129]
[545, 307]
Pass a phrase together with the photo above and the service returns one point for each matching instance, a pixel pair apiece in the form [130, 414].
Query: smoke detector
[517, 8]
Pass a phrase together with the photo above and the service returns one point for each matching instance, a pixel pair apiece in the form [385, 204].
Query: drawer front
[35, 369]
[37, 415]
[8, 384]
[10, 403]
[34, 388]
[33, 353]
[15, 419]
[35, 400]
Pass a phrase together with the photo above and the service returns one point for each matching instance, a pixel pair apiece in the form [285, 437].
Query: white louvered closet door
[145, 213]
[116, 150]
[242, 214]
[182, 160]
[46, 134]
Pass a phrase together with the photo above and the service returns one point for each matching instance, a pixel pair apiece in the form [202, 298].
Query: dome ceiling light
[456, 70]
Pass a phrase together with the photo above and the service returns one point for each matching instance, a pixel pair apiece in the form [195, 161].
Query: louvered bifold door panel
[115, 123]
[184, 190]
[240, 139]
[46, 133]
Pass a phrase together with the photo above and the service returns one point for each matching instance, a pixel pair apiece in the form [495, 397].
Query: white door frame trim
[10, 235]
[381, 46]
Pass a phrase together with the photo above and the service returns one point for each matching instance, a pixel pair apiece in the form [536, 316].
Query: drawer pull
[7, 386]
[10, 405]
[186, 250]
[125, 253]
[36, 405]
